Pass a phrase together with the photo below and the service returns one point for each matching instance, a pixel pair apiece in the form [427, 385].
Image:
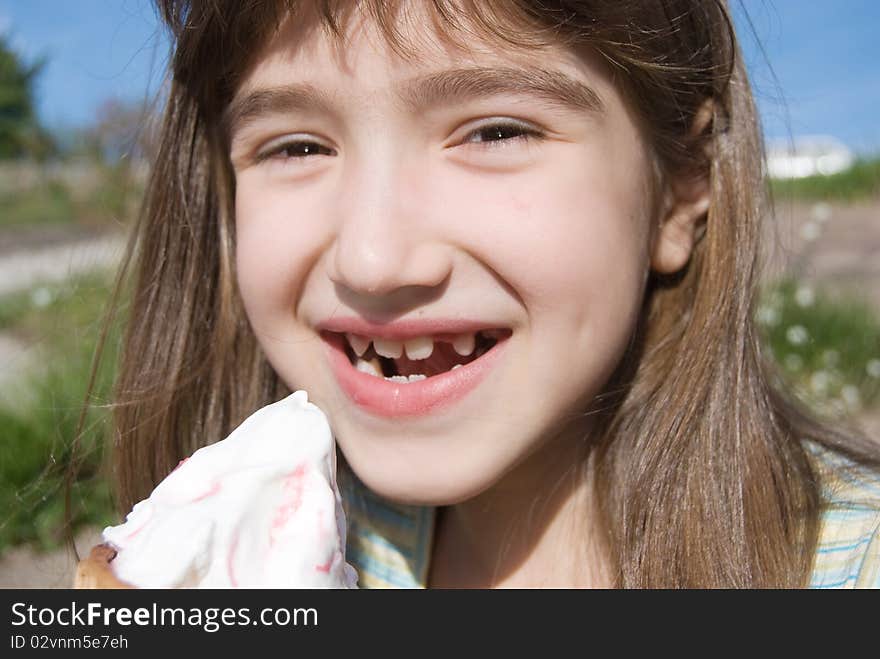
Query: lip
[395, 399]
[402, 330]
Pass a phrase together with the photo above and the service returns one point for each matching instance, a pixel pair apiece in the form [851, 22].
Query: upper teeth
[417, 348]
[464, 344]
[421, 347]
[359, 344]
[388, 348]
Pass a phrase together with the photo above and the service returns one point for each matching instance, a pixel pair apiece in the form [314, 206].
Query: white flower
[819, 382]
[873, 368]
[804, 296]
[797, 335]
[41, 297]
[821, 212]
[768, 316]
[851, 396]
[810, 231]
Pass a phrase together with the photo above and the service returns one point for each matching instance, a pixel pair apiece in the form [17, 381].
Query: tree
[21, 134]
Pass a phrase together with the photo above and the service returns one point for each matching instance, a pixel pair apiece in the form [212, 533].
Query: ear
[684, 211]
[685, 204]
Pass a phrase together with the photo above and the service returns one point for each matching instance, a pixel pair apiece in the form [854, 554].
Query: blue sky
[825, 55]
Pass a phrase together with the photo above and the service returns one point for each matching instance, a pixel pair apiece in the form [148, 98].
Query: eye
[502, 134]
[294, 149]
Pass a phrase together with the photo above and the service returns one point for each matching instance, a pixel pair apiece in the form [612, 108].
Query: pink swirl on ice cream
[249, 511]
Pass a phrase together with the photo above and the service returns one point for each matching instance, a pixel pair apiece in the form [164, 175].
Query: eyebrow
[423, 92]
[464, 84]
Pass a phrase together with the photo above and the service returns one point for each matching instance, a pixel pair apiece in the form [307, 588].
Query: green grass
[828, 347]
[60, 313]
[861, 181]
[37, 431]
[111, 197]
[47, 203]
[115, 198]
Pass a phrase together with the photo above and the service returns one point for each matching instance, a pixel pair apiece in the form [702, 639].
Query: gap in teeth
[388, 367]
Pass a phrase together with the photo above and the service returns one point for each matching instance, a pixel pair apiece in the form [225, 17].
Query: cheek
[566, 234]
[571, 241]
[275, 247]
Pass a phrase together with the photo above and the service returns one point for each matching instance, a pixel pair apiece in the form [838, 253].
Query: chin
[420, 487]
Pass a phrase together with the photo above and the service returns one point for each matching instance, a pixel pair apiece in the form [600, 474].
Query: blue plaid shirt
[390, 544]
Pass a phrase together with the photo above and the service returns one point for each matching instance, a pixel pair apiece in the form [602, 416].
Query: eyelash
[523, 132]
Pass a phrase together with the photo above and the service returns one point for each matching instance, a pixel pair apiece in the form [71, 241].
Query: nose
[385, 242]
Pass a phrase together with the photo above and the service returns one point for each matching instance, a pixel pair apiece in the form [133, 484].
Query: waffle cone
[94, 571]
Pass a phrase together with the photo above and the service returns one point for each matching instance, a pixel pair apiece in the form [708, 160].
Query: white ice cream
[259, 509]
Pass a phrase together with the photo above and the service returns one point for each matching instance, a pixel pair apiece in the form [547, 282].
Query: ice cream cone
[271, 482]
[94, 571]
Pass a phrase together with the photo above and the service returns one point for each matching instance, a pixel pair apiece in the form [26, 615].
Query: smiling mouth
[424, 360]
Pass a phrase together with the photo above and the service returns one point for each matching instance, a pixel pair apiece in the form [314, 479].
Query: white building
[807, 156]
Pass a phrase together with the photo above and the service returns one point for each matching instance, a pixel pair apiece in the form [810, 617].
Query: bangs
[507, 23]
[216, 42]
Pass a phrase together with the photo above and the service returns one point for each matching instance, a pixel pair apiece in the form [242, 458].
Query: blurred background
[78, 89]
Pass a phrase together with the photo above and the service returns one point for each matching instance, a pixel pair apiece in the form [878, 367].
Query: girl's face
[422, 201]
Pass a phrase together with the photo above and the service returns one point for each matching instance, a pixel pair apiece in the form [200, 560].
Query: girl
[510, 248]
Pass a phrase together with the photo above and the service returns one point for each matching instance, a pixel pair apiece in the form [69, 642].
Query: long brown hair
[700, 463]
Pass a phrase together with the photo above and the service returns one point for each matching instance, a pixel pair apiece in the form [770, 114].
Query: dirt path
[22, 567]
[23, 268]
[28, 258]
[40, 262]
[837, 246]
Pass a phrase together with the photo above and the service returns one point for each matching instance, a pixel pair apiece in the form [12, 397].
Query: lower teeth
[372, 368]
[406, 378]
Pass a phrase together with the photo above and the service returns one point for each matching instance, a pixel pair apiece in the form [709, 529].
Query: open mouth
[419, 358]
[413, 376]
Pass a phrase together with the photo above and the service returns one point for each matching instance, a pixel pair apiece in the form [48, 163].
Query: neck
[533, 529]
